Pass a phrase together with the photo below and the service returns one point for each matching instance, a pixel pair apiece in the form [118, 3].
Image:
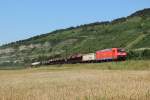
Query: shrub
[139, 54]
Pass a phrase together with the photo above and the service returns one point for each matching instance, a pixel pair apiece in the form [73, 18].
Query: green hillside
[132, 33]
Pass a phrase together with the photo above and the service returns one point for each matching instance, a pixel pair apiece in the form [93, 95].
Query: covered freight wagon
[76, 58]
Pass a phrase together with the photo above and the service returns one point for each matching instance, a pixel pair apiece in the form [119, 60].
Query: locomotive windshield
[121, 50]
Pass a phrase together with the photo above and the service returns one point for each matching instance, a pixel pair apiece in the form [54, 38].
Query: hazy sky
[21, 19]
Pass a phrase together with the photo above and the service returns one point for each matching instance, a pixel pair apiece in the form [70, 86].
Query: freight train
[112, 54]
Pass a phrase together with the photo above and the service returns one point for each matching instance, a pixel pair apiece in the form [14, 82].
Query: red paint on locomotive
[111, 54]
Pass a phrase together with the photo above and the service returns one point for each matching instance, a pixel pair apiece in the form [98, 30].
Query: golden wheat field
[74, 84]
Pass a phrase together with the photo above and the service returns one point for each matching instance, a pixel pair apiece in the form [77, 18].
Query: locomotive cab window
[121, 50]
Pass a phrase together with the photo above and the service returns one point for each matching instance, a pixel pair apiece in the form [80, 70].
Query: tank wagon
[112, 54]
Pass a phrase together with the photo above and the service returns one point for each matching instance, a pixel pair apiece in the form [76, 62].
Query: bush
[139, 54]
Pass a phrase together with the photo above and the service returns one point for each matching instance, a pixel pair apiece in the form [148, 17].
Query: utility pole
[66, 52]
[89, 49]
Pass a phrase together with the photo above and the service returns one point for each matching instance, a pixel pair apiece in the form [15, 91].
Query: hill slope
[130, 32]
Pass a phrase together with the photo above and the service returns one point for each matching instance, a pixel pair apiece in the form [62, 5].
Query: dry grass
[80, 84]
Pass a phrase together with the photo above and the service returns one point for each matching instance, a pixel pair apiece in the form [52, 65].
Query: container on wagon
[88, 57]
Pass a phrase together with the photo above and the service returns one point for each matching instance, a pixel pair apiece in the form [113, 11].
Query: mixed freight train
[113, 54]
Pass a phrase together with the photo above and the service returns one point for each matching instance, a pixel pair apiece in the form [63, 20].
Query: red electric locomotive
[111, 54]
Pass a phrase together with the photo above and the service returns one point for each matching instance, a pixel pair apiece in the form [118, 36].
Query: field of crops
[128, 80]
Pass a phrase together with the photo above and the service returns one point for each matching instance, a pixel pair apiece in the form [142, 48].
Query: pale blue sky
[21, 19]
